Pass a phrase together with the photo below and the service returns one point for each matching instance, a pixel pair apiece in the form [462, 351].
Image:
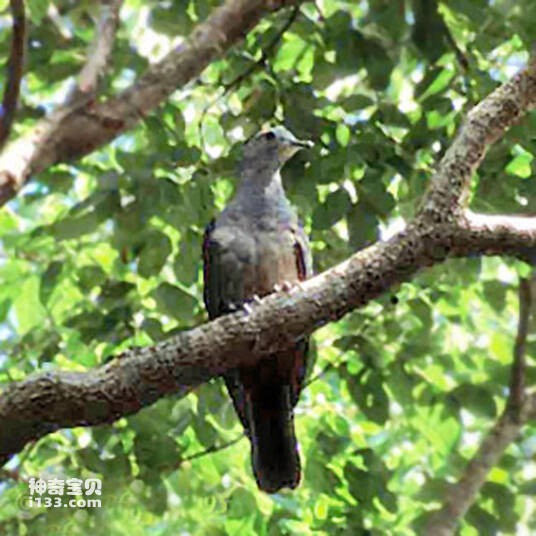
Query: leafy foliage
[104, 253]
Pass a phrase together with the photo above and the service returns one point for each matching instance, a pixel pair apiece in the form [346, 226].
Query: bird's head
[272, 148]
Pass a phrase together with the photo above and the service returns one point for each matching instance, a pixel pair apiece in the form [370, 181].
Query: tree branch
[14, 70]
[46, 402]
[518, 409]
[265, 54]
[494, 235]
[217, 447]
[138, 377]
[485, 124]
[516, 397]
[79, 128]
[101, 49]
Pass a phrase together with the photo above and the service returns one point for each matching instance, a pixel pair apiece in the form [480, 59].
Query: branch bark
[485, 124]
[82, 126]
[46, 402]
[442, 228]
[15, 69]
[517, 412]
[101, 50]
[494, 235]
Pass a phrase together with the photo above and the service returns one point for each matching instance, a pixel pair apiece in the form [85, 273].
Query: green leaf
[38, 10]
[521, 165]
[49, 280]
[332, 210]
[154, 254]
[363, 226]
[174, 301]
[90, 276]
[27, 306]
[476, 399]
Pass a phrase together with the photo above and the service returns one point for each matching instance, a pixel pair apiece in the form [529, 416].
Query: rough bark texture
[99, 56]
[518, 411]
[83, 125]
[46, 402]
[15, 68]
[43, 403]
[442, 228]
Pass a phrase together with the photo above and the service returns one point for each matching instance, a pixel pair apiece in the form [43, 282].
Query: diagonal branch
[516, 398]
[101, 49]
[494, 235]
[265, 54]
[46, 402]
[14, 70]
[517, 412]
[485, 124]
[79, 128]
[140, 376]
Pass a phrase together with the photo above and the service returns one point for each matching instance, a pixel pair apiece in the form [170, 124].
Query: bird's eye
[269, 135]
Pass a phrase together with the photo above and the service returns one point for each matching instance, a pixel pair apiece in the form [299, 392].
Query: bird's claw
[248, 306]
[287, 286]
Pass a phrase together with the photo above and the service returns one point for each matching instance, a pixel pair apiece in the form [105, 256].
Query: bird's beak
[291, 147]
[303, 144]
[294, 145]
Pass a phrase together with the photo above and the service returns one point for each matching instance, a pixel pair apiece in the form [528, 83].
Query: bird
[253, 248]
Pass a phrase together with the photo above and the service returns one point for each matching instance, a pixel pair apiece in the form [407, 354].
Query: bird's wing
[226, 273]
[228, 268]
[211, 273]
[302, 251]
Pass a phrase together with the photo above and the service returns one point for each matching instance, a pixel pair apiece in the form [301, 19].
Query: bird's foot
[287, 286]
[248, 306]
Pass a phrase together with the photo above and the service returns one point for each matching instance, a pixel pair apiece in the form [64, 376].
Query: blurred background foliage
[104, 253]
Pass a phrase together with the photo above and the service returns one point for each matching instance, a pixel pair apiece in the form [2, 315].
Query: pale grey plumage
[255, 244]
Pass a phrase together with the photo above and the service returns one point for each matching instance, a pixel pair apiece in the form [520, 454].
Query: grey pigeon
[255, 245]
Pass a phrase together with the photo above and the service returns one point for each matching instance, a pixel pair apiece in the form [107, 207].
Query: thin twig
[99, 56]
[320, 374]
[265, 53]
[14, 70]
[461, 495]
[517, 379]
[255, 66]
[212, 449]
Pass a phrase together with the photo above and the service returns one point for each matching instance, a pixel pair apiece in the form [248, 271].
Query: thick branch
[494, 235]
[78, 129]
[462, 494]
[46, 402]
[14, 70]
[485, 124]
[517, 412]
[101, 50]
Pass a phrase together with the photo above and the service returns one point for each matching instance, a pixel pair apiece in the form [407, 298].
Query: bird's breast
[260, 256]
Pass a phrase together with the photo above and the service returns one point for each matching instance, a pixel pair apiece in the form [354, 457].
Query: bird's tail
[274, 449]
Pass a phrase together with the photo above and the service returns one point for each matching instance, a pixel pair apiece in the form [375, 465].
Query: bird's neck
[260, 185]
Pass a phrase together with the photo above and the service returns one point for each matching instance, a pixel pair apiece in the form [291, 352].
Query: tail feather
[274, 449]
